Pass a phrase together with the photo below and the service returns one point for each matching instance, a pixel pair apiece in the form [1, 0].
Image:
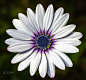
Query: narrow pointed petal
[56, 60]
[20, 47]
[60, 22]
[26, 23]
[71, 41]
[40, 15]
[43, 66]
[21, 56]
[65, 58]
[51, 67]
[19, 26]
[31, 18]
[58, 14]
[48, 17]
[66, 48]
[35, 63]
[24, 64]
[18, 34]
[11, 41]
[76, 35]
[64, 31]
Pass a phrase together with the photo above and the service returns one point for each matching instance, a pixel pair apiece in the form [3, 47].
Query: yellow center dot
[47, 35]
[35, 44]
[49, 43]
[43, 49]
[35, 38]
[49, 39]
[47, 47]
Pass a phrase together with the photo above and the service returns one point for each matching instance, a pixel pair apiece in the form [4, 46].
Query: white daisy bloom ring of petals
[42, 39]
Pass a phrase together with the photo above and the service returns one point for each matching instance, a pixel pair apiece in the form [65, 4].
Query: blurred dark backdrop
[9, 9]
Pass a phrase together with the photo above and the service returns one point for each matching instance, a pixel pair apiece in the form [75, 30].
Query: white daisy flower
[42, 39]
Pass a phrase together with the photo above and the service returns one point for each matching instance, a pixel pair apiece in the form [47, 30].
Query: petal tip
[51, 5]
[13, 21]
[8, 49]
[67, 14]
[31, 74]
[63, 68]
[6, 31]
[52, 76]
[80, 42]
[61, 8]
[12, 62]
[43, 76]
[5, 41]
[19, 14]
[77, 50]
[74, 25]
[19, 69]
[28, 9]
[39, 4]
[81, 34]
[71, 65]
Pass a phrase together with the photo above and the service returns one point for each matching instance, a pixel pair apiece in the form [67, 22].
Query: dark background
[9, 10]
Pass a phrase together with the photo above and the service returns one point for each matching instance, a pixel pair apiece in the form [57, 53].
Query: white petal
[40, 15]
[21, 56]
[35, 63]
[51, 67]
[18, 34]
[11, 41]
[71, 41]
[43, 66]
[48, 17]
[20, 47]
[24, 64]
[56, 60]
[76, 35]
[60, 22]
[19, 26]
[57, 14]
[66, 48]
[65, 58]
[31, 18]
[64, 31]
[26, 23]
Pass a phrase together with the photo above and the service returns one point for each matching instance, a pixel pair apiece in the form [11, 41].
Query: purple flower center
[43, 41]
